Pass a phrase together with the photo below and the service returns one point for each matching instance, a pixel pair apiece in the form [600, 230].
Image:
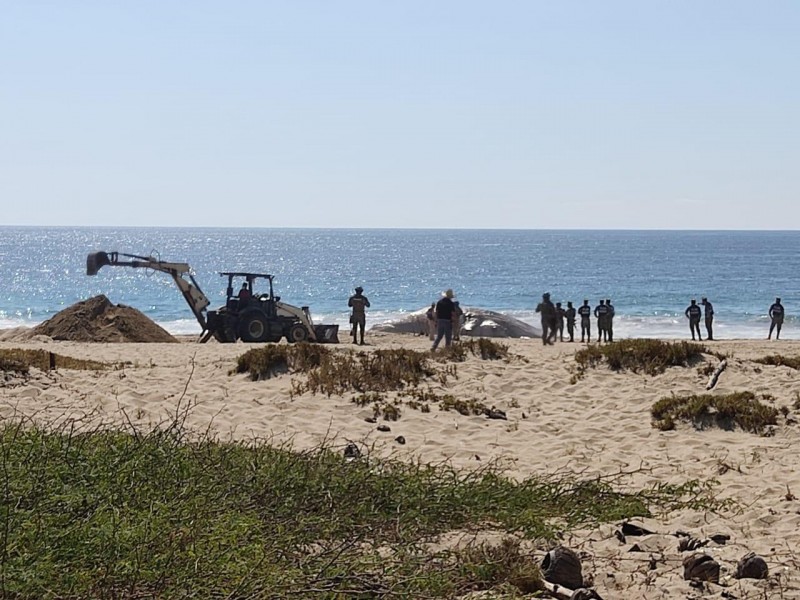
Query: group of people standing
[554, 317]
[445, 320]
[694, 313]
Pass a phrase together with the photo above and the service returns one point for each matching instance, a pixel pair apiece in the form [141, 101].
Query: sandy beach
[597, 425]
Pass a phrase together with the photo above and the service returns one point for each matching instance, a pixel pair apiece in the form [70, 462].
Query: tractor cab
[240, 298]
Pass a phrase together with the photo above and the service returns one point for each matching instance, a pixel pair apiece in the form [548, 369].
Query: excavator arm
[191, 291]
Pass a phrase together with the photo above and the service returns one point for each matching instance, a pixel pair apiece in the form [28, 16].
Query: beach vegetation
[742, 409]
[778, 360]
[483, 348]
[651, 357]
[125, 513]
[20, 360]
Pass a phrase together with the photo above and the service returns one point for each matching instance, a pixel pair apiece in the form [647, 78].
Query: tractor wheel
[297, 333]
[253, 327]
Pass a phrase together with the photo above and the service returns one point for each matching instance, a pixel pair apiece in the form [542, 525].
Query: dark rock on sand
[562, 566]
[752, 566]
[701, 567]
[478, 323]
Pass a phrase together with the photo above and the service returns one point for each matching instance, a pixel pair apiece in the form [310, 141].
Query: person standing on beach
[431, 316]
[776, 314]
[709, 313]
[358, 318]
[601, 312]
[444, 320]
[585, 312]
[570, 314]
[548, 312]
[610, 320]
[560, 315]
[457, 312]
[693, 313]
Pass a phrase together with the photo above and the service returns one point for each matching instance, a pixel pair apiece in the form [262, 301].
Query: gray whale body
[478, 323]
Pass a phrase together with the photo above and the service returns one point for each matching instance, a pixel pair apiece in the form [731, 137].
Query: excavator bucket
[95, 260]
[327, 334]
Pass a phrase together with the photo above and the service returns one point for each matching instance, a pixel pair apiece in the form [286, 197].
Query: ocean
[650, 275]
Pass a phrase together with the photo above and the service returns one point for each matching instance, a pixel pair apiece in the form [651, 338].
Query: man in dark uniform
[709, 310]
[601, 312]
[444, 320]
[776, 314]
[570, 314]
[610, 320]
[560, 315]
[693, 313]
[585, 312]
[548, 312]
[358, 318]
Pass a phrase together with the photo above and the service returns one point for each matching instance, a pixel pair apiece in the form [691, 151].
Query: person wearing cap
[709, 314]
[549, 315]
[358, 318]
[610, 320]
[585, 312]
[444, 320]
[693, 313]
[776, 314]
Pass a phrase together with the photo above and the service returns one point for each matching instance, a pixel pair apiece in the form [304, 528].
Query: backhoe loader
[247, 316]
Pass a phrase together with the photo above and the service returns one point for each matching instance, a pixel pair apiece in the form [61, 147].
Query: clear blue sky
[556, 114]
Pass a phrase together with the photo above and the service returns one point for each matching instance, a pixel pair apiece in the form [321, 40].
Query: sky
[421, 114]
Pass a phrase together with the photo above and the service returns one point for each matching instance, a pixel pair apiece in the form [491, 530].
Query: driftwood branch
[558, 591]
[562, 593]
[717, 372]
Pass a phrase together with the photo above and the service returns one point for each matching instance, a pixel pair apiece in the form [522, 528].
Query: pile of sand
[98, 320]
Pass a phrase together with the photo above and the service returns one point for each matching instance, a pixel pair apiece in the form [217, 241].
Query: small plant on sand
[778, 360]
[742, 409]
[492, 565]
[464, 407]
[483, 348]
[640, 355]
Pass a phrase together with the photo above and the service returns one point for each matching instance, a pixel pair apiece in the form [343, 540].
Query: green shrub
[112, 514]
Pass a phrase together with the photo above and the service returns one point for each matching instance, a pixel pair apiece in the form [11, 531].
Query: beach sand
[597, 426]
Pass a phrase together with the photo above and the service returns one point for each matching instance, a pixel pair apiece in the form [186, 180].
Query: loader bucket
[327, 334]
[95, 260]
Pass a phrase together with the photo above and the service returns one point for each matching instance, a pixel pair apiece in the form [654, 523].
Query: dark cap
[359, 289]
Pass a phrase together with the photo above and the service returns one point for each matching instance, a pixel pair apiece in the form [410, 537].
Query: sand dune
[599, 425]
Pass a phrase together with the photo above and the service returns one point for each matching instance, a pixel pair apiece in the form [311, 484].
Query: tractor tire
[253, 327]
[297, 333]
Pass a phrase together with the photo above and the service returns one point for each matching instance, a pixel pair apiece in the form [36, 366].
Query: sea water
[651, 276]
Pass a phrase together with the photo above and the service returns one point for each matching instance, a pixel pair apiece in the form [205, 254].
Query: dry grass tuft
[778, 360]
[741, 409]
[647, 356]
